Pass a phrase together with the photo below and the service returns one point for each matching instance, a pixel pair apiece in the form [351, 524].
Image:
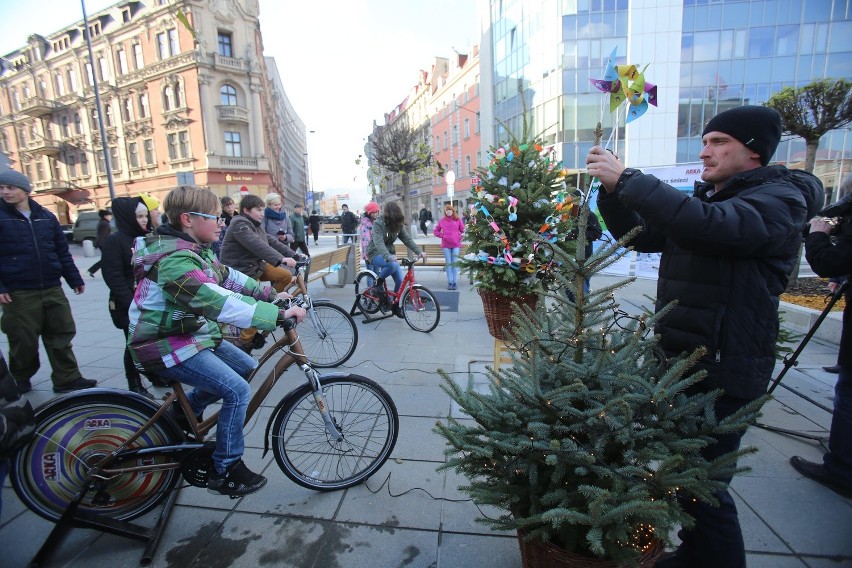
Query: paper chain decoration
[625, 82]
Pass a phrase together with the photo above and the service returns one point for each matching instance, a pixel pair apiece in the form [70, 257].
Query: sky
[343, 63]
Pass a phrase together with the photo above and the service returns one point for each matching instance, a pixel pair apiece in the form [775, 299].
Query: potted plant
[519, 213]
[587, 440]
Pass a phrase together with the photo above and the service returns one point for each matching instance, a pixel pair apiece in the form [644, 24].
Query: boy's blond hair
[186, 199]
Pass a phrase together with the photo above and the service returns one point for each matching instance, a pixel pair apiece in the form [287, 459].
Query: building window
[226, 44]
[168, 101]
[178, 145]
[446, 140]
[477, 123]
[16, 100]
[167, 44]
[66, 131]
[123, 69]
[125, 15]
[127, 110]
[78, 123]
[101, 162]
[466, 128]
[228, 95]
[114, 162]
[179, 99]
[109, 120]
[232, 144]
[144, 111]
[467, 171]
[60, 84]
[148, 148]
[90, 78]
[103, 68]
[42, 87]
[138, 60]
[39, 169]
[84, 165]
[72, 79]
[71, 166]
[93, 120]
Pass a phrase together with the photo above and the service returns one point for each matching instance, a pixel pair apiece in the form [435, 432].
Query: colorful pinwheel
[626, 83]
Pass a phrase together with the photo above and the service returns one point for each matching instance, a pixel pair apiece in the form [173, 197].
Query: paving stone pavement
[409, 514]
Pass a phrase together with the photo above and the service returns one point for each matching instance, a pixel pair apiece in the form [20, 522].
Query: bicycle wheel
[362, 411]
[366, 302]
[75, 432]
[420, 308]
[329, 335]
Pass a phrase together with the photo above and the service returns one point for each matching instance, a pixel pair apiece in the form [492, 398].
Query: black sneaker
[24, 386]
[238, 480]
[79, 384]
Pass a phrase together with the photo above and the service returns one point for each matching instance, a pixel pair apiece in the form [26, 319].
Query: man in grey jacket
[728, 251]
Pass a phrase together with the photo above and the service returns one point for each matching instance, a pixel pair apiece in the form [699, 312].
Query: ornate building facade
[180, 104]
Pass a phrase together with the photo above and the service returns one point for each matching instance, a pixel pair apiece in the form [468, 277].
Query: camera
[836, 214]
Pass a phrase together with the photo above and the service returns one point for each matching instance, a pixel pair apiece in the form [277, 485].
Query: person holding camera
[835, 259]
[727, 254]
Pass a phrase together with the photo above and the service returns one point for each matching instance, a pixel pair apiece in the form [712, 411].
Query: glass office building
[704, 55]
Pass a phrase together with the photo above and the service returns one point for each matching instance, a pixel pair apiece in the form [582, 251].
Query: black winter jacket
[827, 260]
[726, 259]
[116, 252]
[34, 252]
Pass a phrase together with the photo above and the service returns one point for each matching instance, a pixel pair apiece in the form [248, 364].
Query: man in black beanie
[727, 253]
[34, 255]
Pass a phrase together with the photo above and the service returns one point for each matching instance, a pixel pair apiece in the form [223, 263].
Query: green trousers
[44, 313]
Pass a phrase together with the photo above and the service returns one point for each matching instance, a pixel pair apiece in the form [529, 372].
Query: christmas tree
[589, 437]
[521, 202]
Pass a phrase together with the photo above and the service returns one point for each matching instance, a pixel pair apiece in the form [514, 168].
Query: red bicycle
[421, 310]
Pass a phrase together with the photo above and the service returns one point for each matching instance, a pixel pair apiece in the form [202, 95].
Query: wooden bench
[325, 264]
[435, 254]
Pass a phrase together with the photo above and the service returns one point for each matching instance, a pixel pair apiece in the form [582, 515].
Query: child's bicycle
[115, 455]
[419, 306]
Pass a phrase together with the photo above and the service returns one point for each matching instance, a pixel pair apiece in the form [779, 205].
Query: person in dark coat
[314, 223]
[727, 253]
[348, 224]
[34, 256]
[132, 219]
[103, 231]
[425, 216]
[828, 259]
[229, 209]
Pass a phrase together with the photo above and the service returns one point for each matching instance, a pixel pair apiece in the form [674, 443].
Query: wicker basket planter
[498, 310]
[537, 554]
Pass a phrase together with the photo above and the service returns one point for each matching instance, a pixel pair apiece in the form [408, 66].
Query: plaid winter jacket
[182, 292]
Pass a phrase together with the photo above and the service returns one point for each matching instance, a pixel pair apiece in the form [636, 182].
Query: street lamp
[450, 179]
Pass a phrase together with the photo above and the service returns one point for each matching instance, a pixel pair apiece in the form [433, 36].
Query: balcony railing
[230, 63]
[229, 113]
[51, 186]
[39, 106]
[234, 163]
[43, 146]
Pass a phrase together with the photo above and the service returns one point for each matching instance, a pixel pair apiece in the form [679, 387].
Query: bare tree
[400, 149]
[814, 110]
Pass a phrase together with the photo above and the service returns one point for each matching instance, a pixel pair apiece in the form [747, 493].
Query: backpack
[17, 419]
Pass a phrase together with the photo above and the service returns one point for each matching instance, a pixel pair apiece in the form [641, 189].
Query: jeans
[347, 238]
[838, 460]
[219, 374]
[717, 539]
[451, 256]
[386, 269]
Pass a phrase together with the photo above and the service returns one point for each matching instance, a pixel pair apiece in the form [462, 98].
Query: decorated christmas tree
[589, 437]
[521, 202]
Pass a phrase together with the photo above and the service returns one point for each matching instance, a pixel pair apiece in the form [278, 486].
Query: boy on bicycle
[182, 292]
[382, 253]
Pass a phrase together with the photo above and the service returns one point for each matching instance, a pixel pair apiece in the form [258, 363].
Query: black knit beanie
[757, 127]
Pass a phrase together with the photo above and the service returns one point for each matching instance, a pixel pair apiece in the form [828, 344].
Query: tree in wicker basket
[520, 212]
[587, 439]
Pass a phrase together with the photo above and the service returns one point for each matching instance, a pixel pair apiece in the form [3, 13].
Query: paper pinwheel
[626, 83]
